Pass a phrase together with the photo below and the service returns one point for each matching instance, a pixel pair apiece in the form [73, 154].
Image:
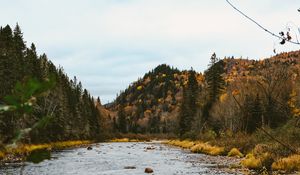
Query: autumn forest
[249, 105]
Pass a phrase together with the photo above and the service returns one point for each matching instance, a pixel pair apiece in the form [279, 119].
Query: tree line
[62, 111]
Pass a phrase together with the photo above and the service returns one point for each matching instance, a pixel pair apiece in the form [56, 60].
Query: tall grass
[197, 147]
[291, 163]
[25, 149]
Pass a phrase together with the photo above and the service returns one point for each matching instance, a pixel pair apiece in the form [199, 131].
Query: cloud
[108, 44]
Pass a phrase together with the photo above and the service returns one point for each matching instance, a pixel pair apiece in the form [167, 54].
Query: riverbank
[257, 152]
[118, 158]
[260, 159]
[19, 153]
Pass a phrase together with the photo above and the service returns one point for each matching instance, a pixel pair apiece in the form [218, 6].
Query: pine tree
[188, 108]
[215, 83]
[122, 120]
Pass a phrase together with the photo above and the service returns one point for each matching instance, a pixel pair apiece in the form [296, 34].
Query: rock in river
[148, 170]
[129, 167]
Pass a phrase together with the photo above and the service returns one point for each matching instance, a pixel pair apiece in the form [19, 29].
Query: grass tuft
[207, 149]
[2, 155]
[257, 162]
[251, 162]
[234, 152]
[25, 149]
[291, 163]
[186, 144]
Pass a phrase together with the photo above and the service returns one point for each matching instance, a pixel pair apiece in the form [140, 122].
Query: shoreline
[19, 153]
[216, 156]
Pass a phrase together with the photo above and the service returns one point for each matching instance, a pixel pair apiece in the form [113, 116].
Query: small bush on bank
[186, 144]
[120, 140]
[2, 155]
[26, 149]
[234, 152]
[251, 162]
[291, 163]
[258, 162]
[207, 149]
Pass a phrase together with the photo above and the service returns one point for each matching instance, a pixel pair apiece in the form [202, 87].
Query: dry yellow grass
[234, 152]
[251, 162]
[291, 163]
[125, 140]
[207, 149]
[197, 147]
[25, 149]
[2, 155]
[186, 144]
[120, 140]
[67, 144]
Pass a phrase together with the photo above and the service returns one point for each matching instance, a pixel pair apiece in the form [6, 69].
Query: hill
[255, 93]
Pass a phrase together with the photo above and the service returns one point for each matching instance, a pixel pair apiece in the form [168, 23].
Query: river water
[119, 159]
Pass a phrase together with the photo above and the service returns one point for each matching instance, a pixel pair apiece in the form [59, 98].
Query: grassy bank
[15, 153]
[261, 157]
[130, 137]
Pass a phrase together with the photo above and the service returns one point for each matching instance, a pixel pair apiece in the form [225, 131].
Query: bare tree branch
[262, 27]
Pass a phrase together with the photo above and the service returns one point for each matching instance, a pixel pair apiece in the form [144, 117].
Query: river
[120, 159]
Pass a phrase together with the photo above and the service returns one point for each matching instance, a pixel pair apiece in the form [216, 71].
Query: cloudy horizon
[108, 44]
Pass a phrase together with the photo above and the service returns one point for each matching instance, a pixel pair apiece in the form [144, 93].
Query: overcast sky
[108, 44]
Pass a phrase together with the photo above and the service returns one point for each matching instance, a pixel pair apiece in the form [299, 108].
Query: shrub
[2, 155]
[207, 149]
[120, 140]
[257, 162]
[251, 162]
[186, 144]
[291, 163]
[234, 152]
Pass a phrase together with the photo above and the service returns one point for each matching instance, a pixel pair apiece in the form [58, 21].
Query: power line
[260, 26]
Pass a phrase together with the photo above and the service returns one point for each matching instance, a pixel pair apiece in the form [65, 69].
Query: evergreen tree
[252, 113]
[188, 108]
[122, 120]
[215, 83]
[66, 111]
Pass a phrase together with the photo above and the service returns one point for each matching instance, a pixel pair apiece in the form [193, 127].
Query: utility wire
[259, 25]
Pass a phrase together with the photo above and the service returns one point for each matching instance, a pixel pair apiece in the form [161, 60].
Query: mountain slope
[152, 104]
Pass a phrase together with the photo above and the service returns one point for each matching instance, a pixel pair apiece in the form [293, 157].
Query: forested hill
[233, 94]
[39, 102]
[151, 100]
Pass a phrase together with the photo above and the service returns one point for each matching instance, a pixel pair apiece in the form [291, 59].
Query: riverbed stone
[148, 170]
[129, 167]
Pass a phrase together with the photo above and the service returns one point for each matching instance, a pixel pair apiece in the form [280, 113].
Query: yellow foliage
[164, 75]
[183, 144]
[207, 149]
[291, 163]
[251, 162]
[120, 140]
[234, 152]
[148, 111]
[2, 155]
[223, 97]
[26, 148]
[124, 140]
[292, 104]
[235, 92]
[67, 144]
[139, 88]
[256, 161]
[197, 147]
